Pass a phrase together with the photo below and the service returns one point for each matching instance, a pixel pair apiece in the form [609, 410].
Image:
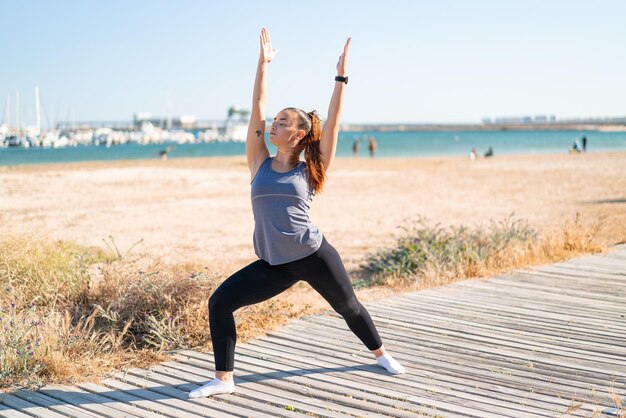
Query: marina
[390, 145]
[143, 129]
[185, 136]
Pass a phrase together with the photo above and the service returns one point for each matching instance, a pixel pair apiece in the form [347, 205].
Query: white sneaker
[214, 387]
[390, 364]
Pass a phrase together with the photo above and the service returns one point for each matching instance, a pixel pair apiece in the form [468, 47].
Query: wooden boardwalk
[547, 342]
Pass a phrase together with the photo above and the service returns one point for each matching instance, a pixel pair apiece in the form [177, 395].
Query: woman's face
[284, 132]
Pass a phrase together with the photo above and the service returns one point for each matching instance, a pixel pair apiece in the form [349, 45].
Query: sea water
[389, 144]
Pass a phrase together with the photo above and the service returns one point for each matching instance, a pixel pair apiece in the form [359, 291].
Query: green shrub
[427, 250]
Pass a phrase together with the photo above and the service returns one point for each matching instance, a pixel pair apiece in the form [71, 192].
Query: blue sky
[410, 61]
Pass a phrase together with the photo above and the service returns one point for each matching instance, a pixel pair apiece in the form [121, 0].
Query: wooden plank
[584, 283]
[593, 280]
[585, 273]
[587, 284]
[606, 267]
[53, 404]
[588, 295]
[525, 356]
[121, 401]
[444, 396]
[571, 274]
[307, 401]
[121, 396]
[167, 404]
[504, 307]
[444, 367]
[475, 359]
[248, 402]
[549, 296]
[535, 323]
[540, 351]
[30, 408]
[6, 412]
[607, 263]
[233, 404]
[287, 387]
[502, 310]
[436, 379]
[320, 383]
[544, 302]
[510, 307]
[100, 405]
[175, 372]
[338, 382]
[254, 393]
[320, 378]
[601, 349]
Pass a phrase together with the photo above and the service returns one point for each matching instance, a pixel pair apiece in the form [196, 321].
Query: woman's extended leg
[325, 272]
[253, 284]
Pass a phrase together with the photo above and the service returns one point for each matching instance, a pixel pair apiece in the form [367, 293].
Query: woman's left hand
[341, 65]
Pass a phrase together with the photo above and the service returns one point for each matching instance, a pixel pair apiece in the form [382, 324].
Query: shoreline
[237, 160]
[502, 127]
[393, 145]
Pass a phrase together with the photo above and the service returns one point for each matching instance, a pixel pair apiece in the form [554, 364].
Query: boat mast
[37, 109]
[169, 110]
[18, 122]
[7, 112]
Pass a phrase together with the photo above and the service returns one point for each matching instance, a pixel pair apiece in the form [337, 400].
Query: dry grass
[429, 255]
[616, 411]
[620, 408]
[67, 319]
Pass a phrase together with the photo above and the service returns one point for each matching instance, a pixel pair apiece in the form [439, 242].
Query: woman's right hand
[267, 52]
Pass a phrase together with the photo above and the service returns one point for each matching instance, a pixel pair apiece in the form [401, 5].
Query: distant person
[489, 152]
[355, 148]
[473, 154]
[289, 246]
[163, 153]
[584, 144]
[576, 147]
[372, 146]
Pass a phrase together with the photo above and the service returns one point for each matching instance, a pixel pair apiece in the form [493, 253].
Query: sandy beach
[198, 210]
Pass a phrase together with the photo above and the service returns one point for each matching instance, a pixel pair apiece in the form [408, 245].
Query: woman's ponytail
[310, 144]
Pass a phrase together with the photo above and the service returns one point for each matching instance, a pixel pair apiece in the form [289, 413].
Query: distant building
[514, 120]
[142, 119]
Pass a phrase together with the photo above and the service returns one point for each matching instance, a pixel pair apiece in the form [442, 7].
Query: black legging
[259, 281]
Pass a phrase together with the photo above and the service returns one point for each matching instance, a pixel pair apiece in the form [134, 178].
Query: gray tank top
[283, 231]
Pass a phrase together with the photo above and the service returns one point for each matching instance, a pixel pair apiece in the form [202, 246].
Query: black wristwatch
[342, 79]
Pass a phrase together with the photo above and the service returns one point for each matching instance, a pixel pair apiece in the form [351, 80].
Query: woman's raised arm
[256, 150]
[328, 140]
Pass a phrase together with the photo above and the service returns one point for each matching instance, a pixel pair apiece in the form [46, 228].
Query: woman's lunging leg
[253, 284]
[328, 276]
[326, 273]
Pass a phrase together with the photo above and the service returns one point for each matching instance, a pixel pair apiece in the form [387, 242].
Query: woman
[290, 248]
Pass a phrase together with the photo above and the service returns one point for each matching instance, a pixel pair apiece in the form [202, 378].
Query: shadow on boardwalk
[543, 342]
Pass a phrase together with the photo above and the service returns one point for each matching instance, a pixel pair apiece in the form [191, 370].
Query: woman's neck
[283, 159]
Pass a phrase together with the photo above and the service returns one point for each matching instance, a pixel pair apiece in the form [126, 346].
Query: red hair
[310, 144]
